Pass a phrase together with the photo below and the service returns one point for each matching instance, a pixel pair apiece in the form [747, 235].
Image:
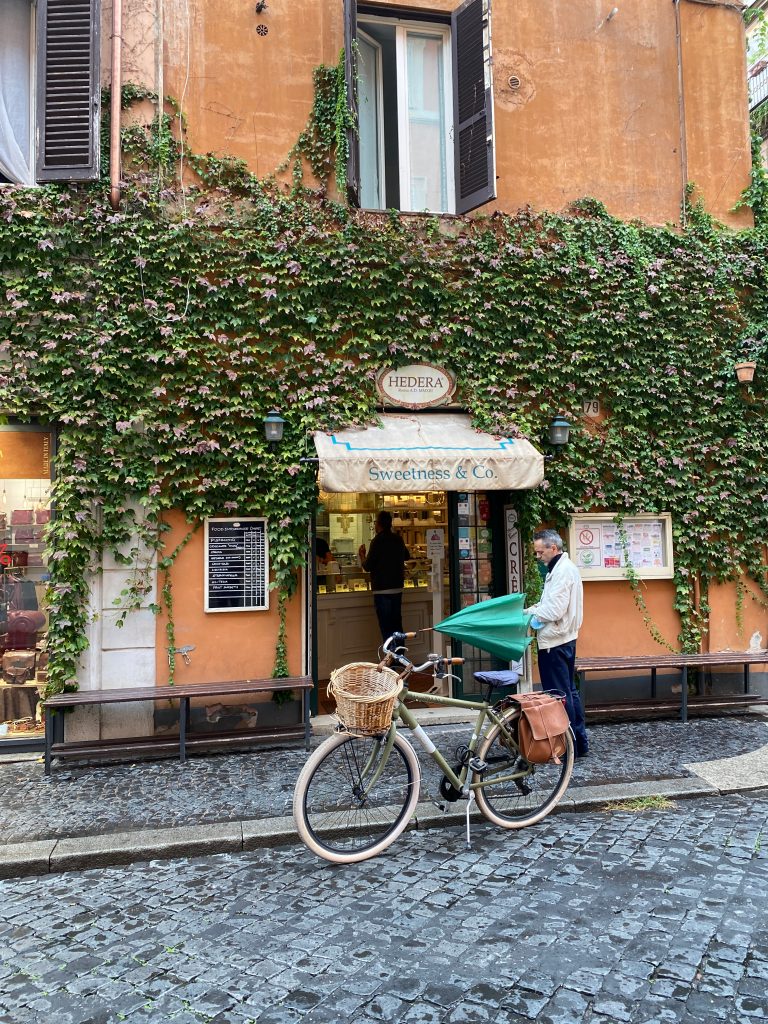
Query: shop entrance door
[344, 626]
[477, 570]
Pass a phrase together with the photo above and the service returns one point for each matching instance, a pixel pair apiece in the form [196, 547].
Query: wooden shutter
[68, 90]
[473, 105]
[350, 72]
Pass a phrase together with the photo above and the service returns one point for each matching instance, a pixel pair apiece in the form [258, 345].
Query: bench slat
[219, 689]
[671, 660]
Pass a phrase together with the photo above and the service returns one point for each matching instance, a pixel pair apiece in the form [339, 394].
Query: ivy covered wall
[158, 337]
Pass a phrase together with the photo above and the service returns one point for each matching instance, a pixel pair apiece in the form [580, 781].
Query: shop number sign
[417, 386]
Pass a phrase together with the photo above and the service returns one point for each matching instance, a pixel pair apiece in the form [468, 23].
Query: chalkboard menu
[236, 565]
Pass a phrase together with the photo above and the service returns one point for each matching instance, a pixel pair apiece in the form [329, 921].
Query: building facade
[480, 108]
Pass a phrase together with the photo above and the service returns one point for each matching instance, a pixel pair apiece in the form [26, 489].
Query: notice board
[236, 565]
[595, 545]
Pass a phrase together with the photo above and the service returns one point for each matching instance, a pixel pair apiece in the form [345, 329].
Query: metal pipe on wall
[681, 114]
[159, 77]
[115, 105]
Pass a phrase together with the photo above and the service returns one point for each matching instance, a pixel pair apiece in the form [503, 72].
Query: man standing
[560, 613]
[386, 564]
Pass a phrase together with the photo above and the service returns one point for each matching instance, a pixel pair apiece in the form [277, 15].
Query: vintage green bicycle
[357, 793]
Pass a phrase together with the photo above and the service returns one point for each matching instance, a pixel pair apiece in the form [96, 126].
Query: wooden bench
[682, 662]
[56, 745]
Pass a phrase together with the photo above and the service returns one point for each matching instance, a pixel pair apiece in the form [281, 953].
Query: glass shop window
[25, 511]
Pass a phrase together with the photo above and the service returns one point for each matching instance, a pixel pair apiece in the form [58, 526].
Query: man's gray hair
[550, 537]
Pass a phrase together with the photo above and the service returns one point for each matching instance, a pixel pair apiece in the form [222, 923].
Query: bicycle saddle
[504, 679]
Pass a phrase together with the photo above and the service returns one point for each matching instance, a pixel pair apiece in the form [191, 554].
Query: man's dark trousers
[389, 613]
[557, 668]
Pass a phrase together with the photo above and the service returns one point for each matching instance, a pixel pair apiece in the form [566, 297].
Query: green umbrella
[496, 626]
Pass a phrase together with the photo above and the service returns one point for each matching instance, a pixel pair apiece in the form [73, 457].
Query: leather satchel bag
[19, 666]
[542, 727]
[27, 535]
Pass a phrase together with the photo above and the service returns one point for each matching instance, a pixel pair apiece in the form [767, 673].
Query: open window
[49, 90]
[420, 90]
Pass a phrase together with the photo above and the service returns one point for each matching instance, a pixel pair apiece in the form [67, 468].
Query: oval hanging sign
[417, 386]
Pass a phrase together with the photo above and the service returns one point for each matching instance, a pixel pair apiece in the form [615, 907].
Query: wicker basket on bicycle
[365, 696]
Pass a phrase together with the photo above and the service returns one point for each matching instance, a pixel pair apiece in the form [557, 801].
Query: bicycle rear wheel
[342, 814]
[516, 803]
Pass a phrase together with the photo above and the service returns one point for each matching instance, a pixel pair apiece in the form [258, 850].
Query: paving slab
[730, 774]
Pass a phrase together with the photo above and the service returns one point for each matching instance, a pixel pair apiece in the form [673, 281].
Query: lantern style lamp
[273, 428]
[559, 431]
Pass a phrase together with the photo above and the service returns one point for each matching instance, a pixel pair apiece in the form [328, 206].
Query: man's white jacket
[561, 607]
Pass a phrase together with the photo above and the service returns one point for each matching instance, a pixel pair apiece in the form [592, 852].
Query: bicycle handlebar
[434, 661]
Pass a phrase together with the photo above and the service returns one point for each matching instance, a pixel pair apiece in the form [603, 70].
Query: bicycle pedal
[477, 764]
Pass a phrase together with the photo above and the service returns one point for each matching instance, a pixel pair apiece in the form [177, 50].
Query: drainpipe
[117, 84]
[704, 644]
[159, 80]
[681, 116]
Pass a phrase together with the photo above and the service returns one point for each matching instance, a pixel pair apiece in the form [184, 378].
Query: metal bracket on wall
[183, 651]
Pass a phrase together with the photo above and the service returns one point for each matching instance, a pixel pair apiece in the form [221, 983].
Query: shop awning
[426, 452]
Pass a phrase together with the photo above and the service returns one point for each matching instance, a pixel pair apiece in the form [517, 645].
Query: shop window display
[345, 521]
[24, 517]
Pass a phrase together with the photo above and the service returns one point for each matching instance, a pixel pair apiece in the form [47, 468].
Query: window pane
[15, 85]
[426, 123]
[369, 117]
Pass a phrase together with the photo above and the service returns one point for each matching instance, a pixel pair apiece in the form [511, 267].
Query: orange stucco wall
[714, 72]
[613, 625]
[724, 634]
[228, 645]
[597, 112]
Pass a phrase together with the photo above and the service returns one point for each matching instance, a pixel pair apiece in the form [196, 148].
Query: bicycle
[356, 793]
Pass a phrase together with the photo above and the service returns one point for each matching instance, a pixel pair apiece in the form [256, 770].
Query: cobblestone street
[602, 917]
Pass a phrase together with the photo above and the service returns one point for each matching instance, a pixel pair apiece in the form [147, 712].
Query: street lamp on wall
[559, 432]
[273, 428]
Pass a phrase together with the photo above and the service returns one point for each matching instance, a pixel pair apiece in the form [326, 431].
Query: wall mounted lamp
[559, 432]
[273, 428]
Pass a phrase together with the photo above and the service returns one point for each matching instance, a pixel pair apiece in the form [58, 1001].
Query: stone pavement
[603, 917]
[118, 813]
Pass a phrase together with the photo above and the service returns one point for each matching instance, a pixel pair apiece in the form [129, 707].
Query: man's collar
[554, 562]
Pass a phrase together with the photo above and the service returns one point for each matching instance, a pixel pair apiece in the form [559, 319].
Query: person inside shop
[324, 557]
[385, 561]
[557, 619]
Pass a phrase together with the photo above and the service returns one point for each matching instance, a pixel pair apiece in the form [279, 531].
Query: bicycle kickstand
[470, 801]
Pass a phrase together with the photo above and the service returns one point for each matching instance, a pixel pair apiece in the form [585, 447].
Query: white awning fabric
[426, 452]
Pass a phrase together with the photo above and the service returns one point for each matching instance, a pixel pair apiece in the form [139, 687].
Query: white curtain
[15, 91]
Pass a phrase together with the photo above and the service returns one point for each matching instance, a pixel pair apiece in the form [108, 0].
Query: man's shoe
[583, 753]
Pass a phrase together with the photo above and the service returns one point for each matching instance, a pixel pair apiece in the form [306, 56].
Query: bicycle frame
[459, 782]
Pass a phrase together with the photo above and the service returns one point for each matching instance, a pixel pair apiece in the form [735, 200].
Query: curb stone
[95, 851]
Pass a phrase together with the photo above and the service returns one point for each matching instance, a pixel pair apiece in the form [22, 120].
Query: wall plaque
[236, 565]
[418, 386]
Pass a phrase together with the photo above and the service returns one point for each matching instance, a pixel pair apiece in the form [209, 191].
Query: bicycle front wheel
[349, 804]
[534, 790]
